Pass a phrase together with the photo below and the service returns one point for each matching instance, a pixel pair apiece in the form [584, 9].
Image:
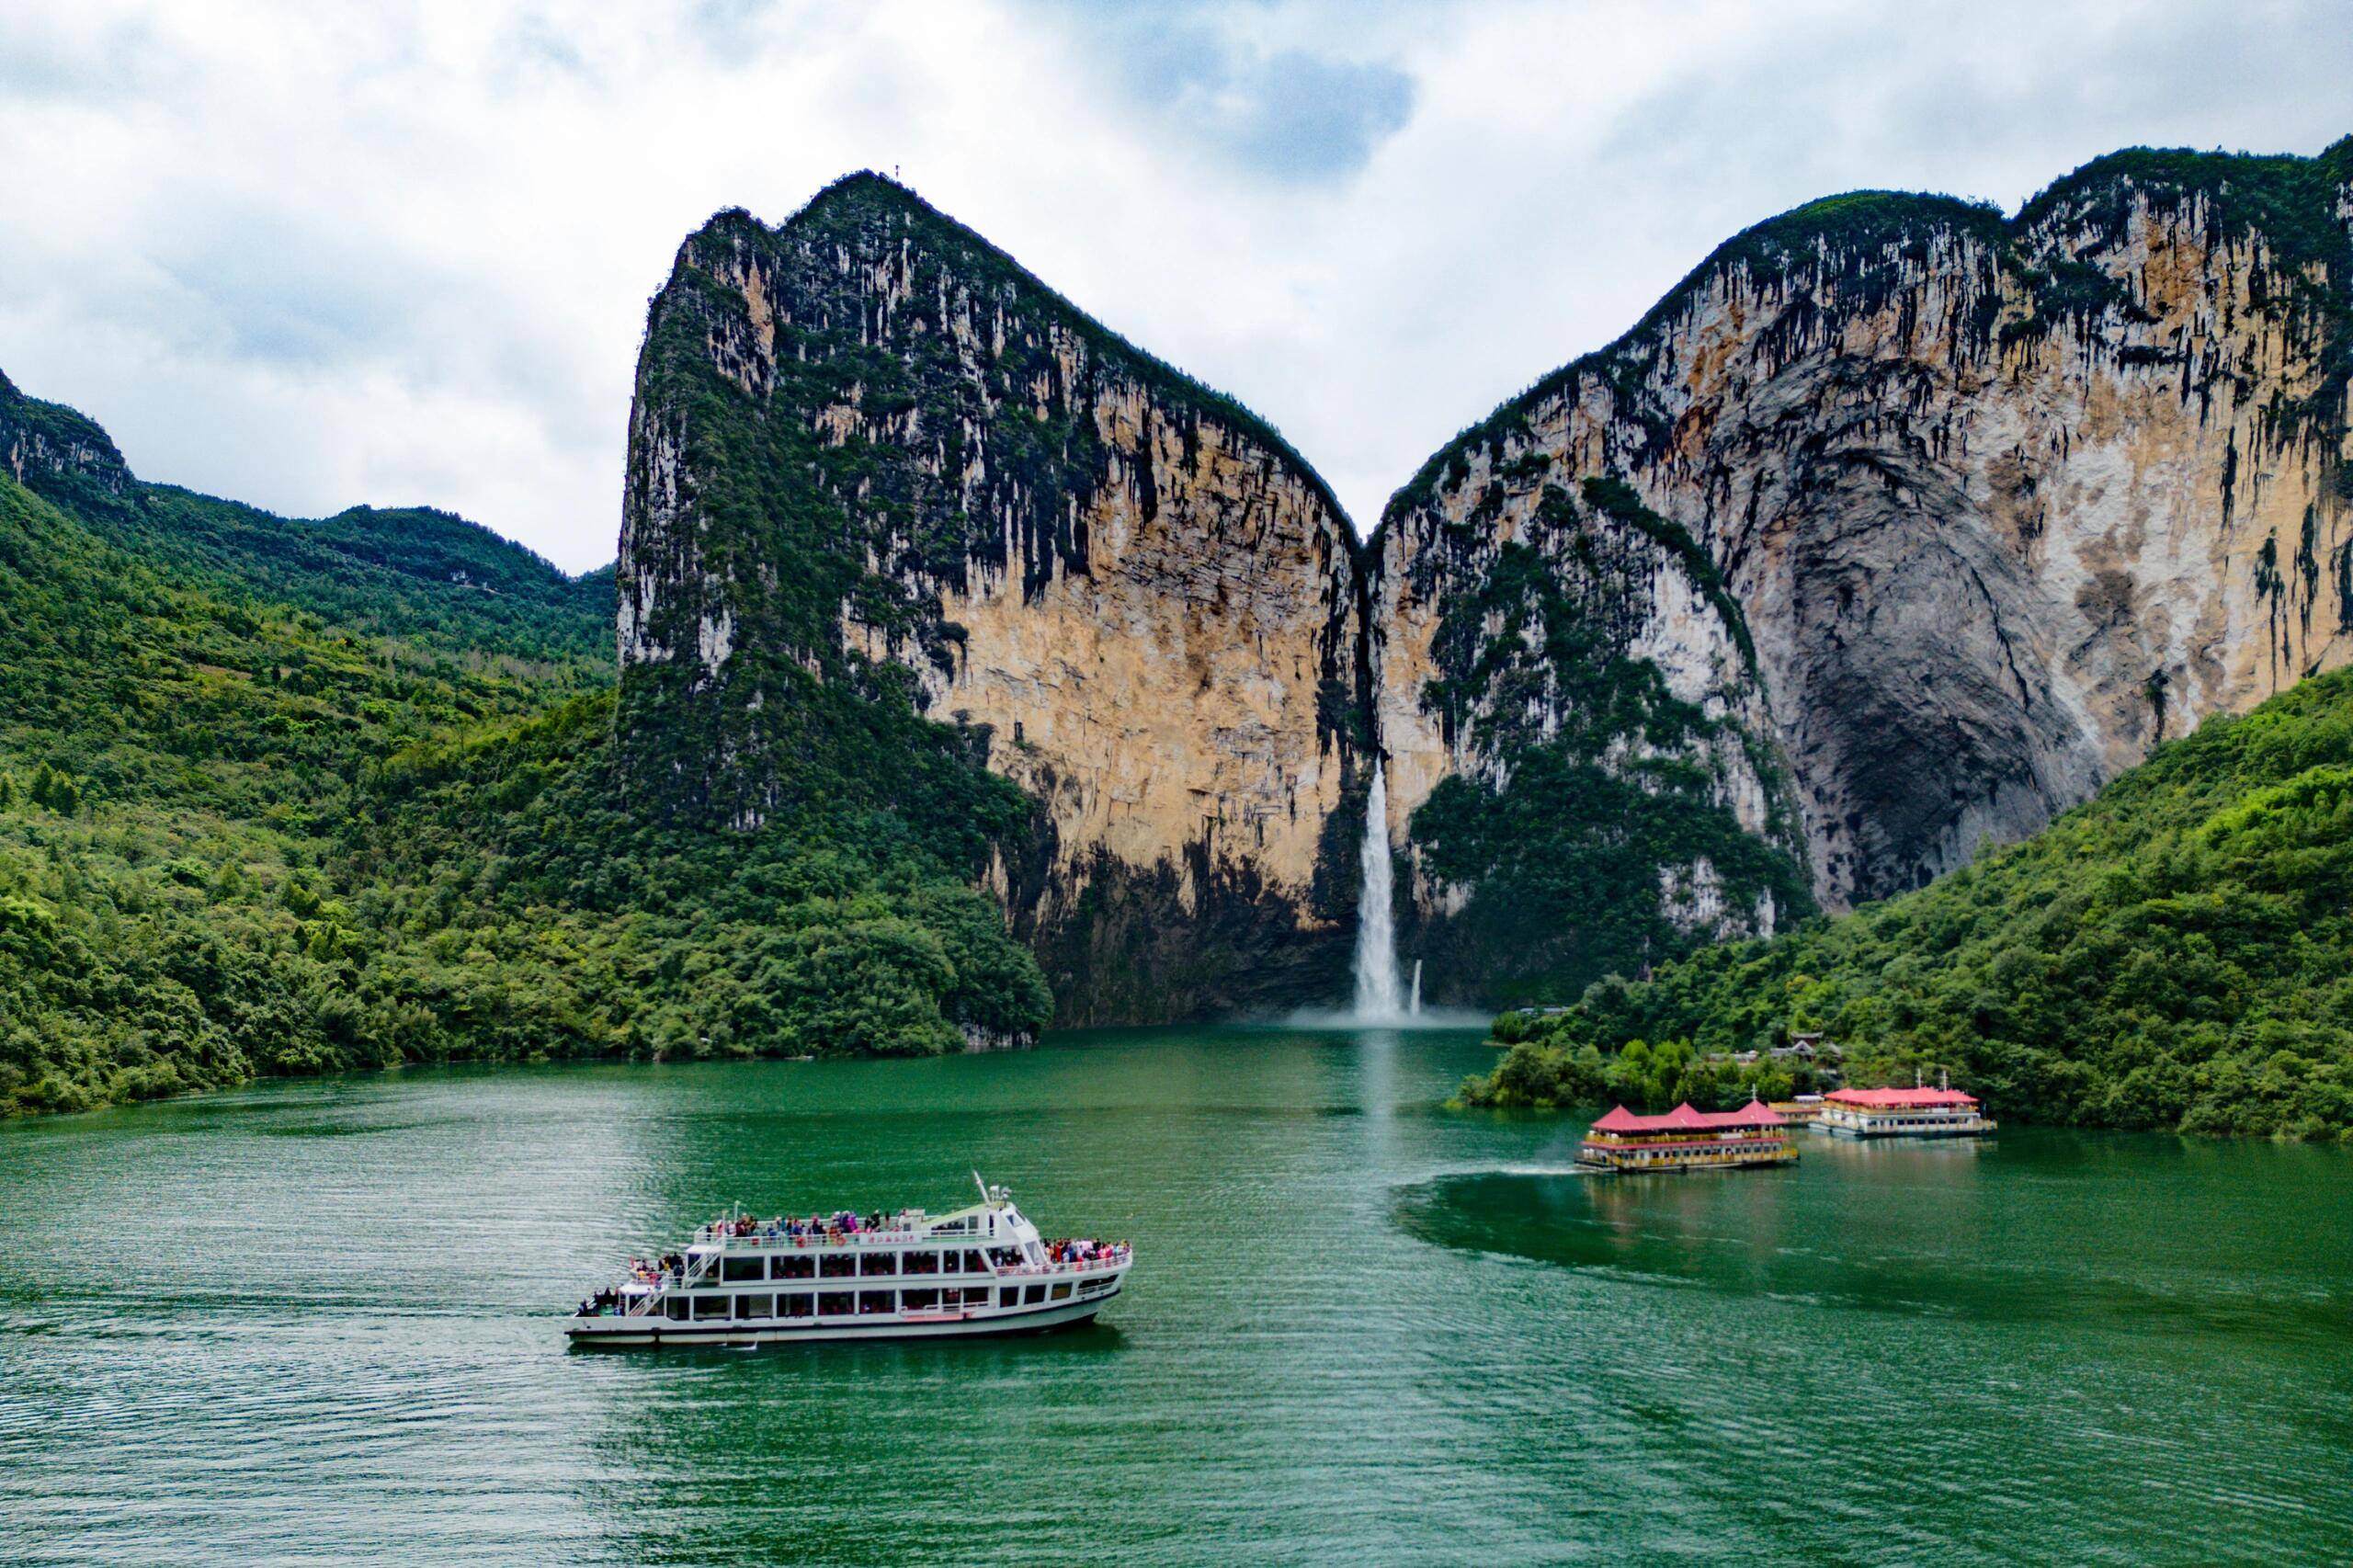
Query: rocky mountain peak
[1996, 505]
[903, 526]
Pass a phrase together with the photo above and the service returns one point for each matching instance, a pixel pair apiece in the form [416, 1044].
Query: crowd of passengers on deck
[841, 1222]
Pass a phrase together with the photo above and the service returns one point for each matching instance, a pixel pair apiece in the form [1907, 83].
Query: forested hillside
[288, 797]
[410, 573]
[2177, 953]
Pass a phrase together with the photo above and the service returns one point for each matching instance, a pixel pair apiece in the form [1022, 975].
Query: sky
[310, 256]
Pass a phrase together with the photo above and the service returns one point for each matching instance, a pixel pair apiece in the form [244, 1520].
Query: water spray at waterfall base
[1382, 1001]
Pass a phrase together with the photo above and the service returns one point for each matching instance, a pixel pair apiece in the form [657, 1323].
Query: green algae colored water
[322, 1321]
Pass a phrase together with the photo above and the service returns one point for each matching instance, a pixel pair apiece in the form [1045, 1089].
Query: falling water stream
[1378, 991]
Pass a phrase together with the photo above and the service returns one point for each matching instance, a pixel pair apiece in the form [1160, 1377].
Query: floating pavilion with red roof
[1902, 1113]
[1686, 1140]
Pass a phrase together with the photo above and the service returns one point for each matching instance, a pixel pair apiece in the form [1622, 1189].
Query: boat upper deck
[996, 1222]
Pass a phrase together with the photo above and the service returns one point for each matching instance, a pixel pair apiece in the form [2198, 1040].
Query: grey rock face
[2001, 504]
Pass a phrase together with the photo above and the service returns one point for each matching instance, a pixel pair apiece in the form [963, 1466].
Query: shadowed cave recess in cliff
[1896, 527]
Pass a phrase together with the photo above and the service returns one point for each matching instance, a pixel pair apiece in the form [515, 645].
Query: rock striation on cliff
[1898, 526]
[903, 526]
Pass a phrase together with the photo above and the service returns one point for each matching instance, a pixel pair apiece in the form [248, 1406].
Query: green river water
[320, 1321]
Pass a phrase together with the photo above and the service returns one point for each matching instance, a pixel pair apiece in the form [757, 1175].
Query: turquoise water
[322, 1320]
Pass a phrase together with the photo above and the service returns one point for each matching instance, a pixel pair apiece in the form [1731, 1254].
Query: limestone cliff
[60, 453]
[1895, 528]
[896, 512]
[1899, 526]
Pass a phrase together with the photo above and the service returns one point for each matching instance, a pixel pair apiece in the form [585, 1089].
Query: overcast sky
[309, 258]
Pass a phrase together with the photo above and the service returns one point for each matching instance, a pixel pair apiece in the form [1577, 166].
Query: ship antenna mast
[982, 1185]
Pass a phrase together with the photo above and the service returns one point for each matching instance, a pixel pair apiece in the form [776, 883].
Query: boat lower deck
[648, 1329]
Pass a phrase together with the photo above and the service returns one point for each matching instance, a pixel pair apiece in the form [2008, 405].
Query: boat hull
[638, 1332]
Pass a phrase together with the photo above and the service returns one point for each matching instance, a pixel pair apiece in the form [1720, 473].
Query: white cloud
[309, 257]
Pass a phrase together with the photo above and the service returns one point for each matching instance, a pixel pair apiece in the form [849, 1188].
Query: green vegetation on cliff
[370, 820]
[1604, 775]
[2177, 953]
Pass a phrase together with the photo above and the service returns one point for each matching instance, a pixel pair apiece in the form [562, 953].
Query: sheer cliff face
[1898, 525]
[1939, 521]
[878, 472]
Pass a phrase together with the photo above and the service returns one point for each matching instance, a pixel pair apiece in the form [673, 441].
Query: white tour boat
[845, 1276]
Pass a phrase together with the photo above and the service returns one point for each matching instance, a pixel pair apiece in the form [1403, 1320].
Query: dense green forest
[283, 797]
[408, 575]
[2173, 954]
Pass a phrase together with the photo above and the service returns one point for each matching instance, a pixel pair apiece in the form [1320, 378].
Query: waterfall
[1376, 930]
[1414, 1007]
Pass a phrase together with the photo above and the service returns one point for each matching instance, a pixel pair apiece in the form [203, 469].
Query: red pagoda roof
[1683, 1119]
[1899, 1099]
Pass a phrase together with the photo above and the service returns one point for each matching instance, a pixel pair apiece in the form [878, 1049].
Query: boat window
[1032, 1295]
[879, 1263]
[837, 1304]
[1007, 1296]
[794, 1266]
[711, 1307]
[676, 1306]
[973, 1263]
[1062, 1292]
[918, 1300]
[876, 1301]
[923, 1263]
[732, 1269]
[1004, 1258]
[951, 1262]
[755, 1306]
[836, 1265]
[800, 1305]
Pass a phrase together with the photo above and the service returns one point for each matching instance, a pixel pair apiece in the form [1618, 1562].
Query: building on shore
[1688, 1140]
[1902, 1113]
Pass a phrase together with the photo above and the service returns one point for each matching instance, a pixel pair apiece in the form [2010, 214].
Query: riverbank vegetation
[2177, 953]
[346, 799]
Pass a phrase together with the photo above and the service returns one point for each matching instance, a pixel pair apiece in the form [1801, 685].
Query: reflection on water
[1905, 1228]
[319, 1319]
